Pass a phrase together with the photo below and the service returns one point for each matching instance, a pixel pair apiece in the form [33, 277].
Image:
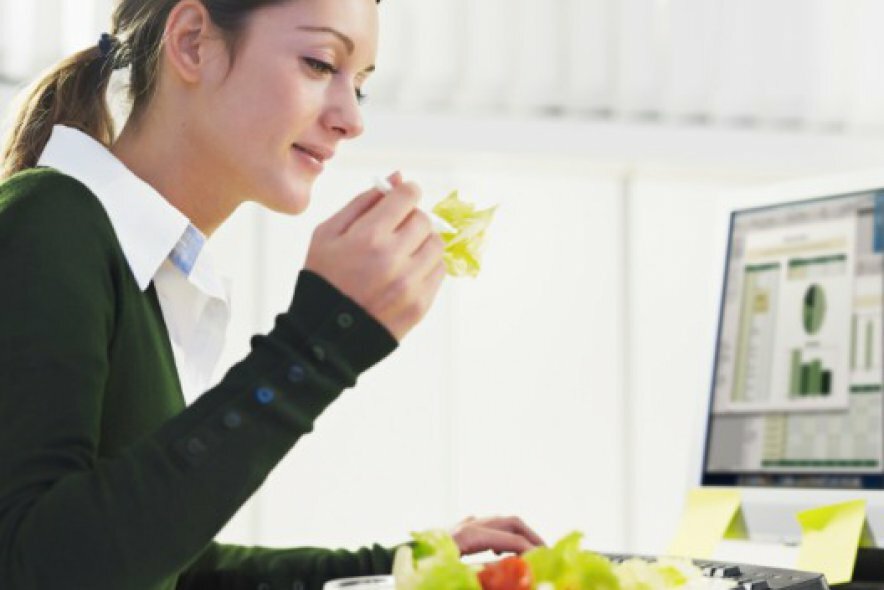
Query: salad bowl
[361, 583]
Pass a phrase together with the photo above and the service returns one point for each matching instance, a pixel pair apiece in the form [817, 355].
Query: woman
[109, 312]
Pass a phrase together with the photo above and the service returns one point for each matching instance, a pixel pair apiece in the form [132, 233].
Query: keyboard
[744, 576]
[748, 577]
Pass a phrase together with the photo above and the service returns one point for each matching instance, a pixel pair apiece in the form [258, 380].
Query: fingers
[428, 257]
[415, 230]
[433, 282]
[388, 213]
[515, 525]
[498, 534]
[435, 278]
[383, 254]
[475, 539]
[421, 279]
[340, 222]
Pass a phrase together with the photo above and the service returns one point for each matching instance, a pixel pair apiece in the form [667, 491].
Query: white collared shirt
[160, 245]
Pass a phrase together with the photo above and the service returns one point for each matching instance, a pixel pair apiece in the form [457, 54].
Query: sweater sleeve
[232, 567]
[69, 518]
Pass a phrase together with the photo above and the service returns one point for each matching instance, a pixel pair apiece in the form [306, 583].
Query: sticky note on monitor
[830, 537]
[710, 515]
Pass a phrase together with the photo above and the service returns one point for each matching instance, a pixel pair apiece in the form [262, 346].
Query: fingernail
[383, 185]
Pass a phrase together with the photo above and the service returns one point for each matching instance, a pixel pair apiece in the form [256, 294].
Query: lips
[318, 153]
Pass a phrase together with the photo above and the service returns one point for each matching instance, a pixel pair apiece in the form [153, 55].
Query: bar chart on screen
[865, 332]
[791, 351]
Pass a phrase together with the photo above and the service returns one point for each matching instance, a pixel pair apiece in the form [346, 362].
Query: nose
[342, 114]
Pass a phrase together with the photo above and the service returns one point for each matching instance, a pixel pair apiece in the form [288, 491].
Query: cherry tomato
[511, 573]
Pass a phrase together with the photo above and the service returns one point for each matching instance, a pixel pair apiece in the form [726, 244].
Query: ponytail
[72, 94]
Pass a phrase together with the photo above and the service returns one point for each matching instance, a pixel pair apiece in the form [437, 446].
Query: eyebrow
[347, 41]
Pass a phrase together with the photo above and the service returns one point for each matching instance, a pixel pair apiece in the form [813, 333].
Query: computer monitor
[795, 417]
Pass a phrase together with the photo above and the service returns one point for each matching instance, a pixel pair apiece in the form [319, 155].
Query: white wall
[7, 94]
[676, 260]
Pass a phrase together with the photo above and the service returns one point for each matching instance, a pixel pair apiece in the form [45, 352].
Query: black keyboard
[746, 576]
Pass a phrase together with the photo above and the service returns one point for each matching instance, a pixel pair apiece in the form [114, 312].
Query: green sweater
[107, 480]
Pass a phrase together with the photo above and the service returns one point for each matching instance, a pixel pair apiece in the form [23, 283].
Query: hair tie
[109, 48]
[106, 44]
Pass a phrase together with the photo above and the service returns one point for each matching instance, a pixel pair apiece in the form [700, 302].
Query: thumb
[341, 221]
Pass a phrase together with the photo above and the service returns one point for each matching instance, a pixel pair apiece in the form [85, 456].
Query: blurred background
[564, 384]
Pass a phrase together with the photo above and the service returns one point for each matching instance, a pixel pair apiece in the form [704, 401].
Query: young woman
[109, 311]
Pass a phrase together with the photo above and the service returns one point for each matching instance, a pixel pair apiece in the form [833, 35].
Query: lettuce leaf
[567, 567]
[432, 564]
[435, 542]
[463, 247]
[664, 574]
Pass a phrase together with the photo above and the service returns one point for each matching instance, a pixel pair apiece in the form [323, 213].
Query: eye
[319, 66]
[324, 68]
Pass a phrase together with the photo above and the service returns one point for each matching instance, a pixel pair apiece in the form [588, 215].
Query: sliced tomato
[511, 573]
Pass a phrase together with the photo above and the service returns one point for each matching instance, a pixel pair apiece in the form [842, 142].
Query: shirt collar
[147, 226]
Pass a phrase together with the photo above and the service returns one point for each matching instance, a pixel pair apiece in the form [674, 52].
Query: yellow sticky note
[710, 515]
[830, 536]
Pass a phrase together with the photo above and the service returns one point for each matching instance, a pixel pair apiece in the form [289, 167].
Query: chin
[290, 201]
[290, 206]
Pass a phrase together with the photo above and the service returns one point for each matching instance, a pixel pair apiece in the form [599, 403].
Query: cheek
[254, 118]
[261, 102]
[284, 100]
[245, 129]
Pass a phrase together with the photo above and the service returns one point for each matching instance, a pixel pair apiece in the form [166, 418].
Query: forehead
[298, 21]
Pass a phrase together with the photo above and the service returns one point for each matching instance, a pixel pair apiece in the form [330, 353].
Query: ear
[187, 39]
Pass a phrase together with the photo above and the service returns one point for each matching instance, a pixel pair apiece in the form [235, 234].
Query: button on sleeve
[345, 320]
[297, 373]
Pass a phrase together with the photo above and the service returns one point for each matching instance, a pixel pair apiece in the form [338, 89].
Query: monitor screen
[796, 397]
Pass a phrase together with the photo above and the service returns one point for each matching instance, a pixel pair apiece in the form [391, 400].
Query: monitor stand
[869, 570]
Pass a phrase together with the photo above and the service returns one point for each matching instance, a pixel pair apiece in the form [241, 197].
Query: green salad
[432, 562]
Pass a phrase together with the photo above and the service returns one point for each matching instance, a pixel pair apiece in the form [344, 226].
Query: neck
[164, 156]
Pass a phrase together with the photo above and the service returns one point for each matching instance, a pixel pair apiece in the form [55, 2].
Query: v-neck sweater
[107, 479]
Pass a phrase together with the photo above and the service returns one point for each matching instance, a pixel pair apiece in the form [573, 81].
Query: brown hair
[73, 93]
